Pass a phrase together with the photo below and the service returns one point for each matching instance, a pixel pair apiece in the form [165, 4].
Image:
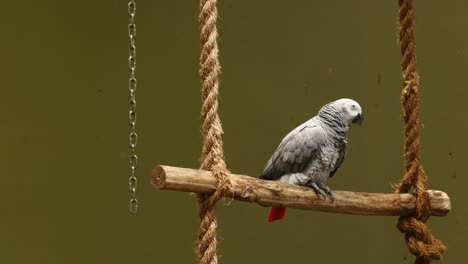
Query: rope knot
[420, 240]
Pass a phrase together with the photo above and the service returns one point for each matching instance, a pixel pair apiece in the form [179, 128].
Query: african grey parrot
[313, 151]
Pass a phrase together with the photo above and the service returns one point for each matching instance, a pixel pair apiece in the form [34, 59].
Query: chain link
[132, 85]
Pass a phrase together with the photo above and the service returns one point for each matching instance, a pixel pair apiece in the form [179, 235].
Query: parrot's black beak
[359, 119]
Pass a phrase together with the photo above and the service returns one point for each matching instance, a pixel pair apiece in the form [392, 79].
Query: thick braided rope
[212, 158]
[419, 238]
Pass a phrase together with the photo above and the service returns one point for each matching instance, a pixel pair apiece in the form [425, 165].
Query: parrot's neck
[335, 123]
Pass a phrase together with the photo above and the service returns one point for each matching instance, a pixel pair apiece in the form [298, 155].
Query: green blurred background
[65, 125]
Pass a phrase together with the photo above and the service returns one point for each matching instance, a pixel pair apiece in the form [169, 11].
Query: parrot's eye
[353, 107]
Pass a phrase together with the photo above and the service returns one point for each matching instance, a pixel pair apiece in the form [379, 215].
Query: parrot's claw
[318, 190]
[327, 190]
[332, 195]
[322, 194]
[322, 190]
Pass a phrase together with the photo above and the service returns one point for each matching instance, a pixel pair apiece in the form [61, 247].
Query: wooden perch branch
[270, 193]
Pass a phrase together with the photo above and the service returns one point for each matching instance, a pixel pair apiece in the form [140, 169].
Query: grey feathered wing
[295, 152]
[341, 158]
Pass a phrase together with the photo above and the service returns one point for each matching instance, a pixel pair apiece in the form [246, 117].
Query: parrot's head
[350, 110]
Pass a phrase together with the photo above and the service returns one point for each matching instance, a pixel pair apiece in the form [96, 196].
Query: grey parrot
[313, 151]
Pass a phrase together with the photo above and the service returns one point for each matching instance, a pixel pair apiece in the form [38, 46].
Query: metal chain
[132, 85]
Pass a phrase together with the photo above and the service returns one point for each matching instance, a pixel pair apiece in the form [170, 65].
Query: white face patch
[349, 109]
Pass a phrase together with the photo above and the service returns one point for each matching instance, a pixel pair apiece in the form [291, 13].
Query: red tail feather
[276, 213]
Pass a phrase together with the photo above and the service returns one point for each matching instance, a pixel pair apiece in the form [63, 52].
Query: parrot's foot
[327, 191]
[317, 189]
[322, 190]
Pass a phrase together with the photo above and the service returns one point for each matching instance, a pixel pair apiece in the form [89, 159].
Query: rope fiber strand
[419, 238]
[212, 157]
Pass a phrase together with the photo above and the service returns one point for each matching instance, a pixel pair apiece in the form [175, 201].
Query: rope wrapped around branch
[419, 238]
[212, 158]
